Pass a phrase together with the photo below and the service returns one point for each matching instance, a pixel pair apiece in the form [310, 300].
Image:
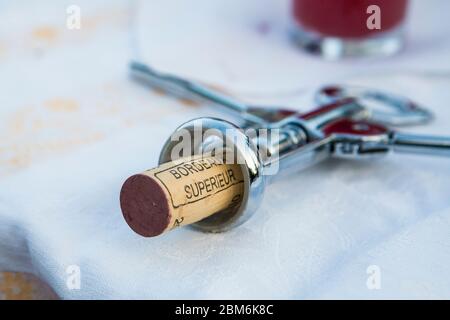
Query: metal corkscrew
[342, 126]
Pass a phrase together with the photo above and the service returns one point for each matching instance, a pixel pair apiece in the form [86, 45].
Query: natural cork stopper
[180, 193]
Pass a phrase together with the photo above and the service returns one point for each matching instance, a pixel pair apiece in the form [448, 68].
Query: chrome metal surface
[184, 88]
[398, 111]
[247, 155]
[359, 146]
[420, 144]
[343, 126]
[254, 116]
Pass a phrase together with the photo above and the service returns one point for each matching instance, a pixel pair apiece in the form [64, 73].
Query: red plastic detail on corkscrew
[332, 91]
[347, 126]
[326, 108]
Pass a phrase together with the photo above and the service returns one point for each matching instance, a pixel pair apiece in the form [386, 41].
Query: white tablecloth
[73, 127]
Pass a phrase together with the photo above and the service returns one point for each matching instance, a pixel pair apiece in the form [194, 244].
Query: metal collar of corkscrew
[342, 126]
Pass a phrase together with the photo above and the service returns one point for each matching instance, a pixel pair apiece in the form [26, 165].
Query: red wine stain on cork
[61, 105]
[144, 205]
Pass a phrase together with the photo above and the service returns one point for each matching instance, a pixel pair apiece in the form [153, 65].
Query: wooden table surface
[23, 286]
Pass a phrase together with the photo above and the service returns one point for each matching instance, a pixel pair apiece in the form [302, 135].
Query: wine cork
[180, 193]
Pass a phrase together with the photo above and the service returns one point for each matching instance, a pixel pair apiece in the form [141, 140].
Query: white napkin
[76, 127]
